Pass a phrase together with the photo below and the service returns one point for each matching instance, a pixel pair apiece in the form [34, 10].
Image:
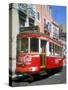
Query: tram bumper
[28, 70]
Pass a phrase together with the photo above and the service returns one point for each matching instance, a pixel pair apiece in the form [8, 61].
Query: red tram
[37, 52]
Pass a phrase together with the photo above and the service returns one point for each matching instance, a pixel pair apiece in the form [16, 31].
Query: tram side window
[24, 45]
[53, 49]
[50, 47]
[18, 45]
[60, 51]
[56, 49]
[34, 45]
[43, 46]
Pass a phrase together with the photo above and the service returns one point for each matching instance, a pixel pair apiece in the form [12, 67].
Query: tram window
[50, 47]
[24, 45]
[43, 46]
[56, 49]
[53, 46]
[34, 45]
[18, 45]
[60, 50]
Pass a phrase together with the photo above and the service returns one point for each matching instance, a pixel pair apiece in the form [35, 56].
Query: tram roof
[39, 35]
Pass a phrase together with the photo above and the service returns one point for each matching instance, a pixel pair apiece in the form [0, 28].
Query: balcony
[55, 36]
[62, 41]
[29, 29]
[23, 8]
[27, 9]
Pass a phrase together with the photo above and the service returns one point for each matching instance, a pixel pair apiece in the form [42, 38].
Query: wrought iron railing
[55, 36]
[27, 9]
[29, 29]
[31, 13]
[23, 8]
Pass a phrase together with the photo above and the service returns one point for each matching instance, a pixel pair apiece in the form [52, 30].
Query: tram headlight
[32, 69]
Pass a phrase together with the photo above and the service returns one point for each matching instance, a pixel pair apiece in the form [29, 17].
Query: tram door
[43, 53]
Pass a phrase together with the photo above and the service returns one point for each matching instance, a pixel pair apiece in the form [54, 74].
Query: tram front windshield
[23, 46]
[34, 44]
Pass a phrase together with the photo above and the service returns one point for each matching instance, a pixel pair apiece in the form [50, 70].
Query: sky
[59, 14]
